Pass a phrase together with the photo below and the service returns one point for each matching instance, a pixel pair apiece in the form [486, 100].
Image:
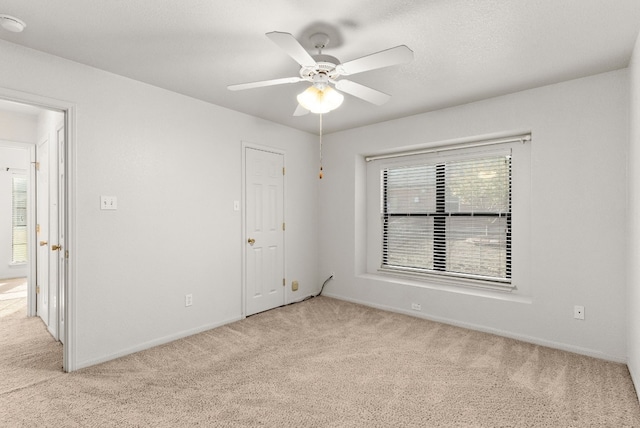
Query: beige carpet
[28, 353]
[13, 288]
[322, 363]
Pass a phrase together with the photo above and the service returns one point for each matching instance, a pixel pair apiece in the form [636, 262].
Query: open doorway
[14, 180]
[32, 196]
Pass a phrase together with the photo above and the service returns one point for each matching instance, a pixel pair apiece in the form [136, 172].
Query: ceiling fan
[322, 71]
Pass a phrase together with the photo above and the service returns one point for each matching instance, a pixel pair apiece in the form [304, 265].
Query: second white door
[264, 244]
[49, 267]
[42, 230]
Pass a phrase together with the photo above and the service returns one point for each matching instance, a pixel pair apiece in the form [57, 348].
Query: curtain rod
[517, 138]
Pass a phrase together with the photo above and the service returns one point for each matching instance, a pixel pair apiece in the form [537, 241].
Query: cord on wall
[323, 284]
[311, 296]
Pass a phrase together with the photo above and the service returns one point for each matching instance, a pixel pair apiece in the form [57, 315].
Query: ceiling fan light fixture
[11, 23]
[320, 100]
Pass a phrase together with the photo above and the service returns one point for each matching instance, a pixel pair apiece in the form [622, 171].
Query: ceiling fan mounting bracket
[319, 40]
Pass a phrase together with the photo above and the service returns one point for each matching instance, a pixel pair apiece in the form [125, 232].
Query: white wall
[633, 253]
[577, 227]
[17, 158]
[174, 164]
[18, 127]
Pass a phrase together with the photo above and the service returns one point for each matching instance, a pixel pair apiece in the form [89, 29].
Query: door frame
[69, 355]
[243, 211]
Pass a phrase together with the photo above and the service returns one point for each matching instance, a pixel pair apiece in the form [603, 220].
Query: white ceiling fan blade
[364, 92]
[394, 56]
[290, 45]
[263, 83]
[300, 111]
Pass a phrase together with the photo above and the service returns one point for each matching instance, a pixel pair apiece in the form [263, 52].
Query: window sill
[17, 264]
[448, 284]
[453, 280]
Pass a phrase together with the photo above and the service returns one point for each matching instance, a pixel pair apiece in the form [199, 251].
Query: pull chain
[320, 146]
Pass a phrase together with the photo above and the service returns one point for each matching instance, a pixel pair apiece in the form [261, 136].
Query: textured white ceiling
[465, 50]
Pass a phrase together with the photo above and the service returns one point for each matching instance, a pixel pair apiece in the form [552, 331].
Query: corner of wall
[633, 207]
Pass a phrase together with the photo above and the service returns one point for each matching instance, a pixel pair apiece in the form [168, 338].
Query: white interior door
[264, 245]
[61, 216]
[47, 262]
[42, 231]
[53, 238]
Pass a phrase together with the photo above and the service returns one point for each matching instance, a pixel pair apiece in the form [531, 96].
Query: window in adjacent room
[19, 219]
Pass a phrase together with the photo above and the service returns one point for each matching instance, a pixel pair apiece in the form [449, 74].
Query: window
[451, 215]
[448, 217]
[19, 219]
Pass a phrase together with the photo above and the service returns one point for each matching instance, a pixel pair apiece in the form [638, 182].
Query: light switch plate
[108, 203]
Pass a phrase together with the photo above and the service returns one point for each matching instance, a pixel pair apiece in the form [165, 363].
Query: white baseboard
[524, 338]
[153, 343]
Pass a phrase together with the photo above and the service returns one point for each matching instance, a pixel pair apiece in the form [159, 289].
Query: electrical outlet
[578, 312]
[188, 299]
[294, 286]
[108, 203]
[416, 306]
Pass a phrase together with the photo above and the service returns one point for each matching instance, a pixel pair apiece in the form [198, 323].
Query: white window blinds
[19, 219]
[448, 215]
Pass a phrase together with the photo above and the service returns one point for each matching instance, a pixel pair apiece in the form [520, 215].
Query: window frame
[440, 224]
[14, 227]
[519, 182]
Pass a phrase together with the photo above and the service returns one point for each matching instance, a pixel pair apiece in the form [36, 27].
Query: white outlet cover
[108, 203]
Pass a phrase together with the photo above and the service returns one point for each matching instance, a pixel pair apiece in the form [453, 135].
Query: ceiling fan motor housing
[325, 65]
